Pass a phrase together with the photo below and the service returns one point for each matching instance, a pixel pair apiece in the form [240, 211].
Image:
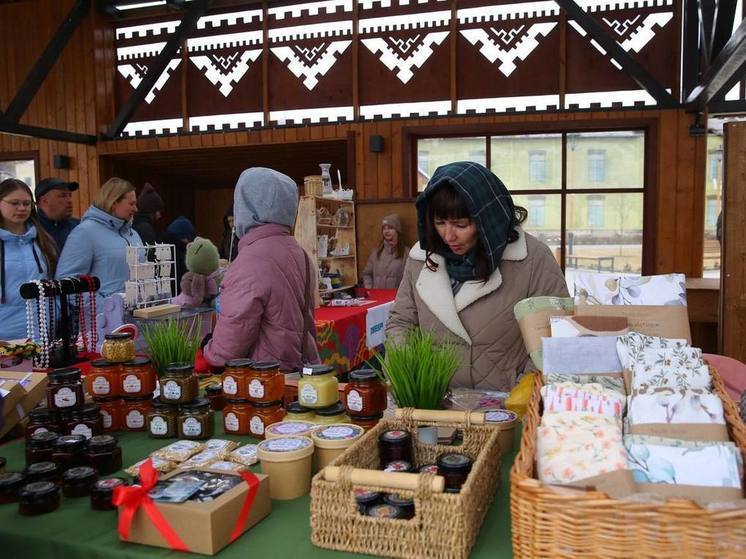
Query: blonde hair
[112, 192]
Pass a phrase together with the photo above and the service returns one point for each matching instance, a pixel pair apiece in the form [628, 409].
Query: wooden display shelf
[335, 289]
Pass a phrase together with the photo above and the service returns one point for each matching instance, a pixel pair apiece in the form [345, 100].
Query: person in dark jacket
[54, 208]
[229, 244]
[180, 232]
[149, 210]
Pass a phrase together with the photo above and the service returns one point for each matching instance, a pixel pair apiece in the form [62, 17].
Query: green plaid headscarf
[487, 200]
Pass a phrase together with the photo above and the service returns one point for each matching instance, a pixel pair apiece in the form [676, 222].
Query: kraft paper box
[34, 387]
[12, 393]
[653, 320]
[203, 527]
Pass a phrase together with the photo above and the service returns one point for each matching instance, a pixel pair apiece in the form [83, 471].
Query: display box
[33, 386]
[203, 527]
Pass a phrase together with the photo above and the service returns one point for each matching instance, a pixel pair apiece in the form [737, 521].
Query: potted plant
[170, 341]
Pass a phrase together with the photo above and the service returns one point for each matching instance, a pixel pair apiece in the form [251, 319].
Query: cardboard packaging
[203, 527]
[33, 386]
[653, 320]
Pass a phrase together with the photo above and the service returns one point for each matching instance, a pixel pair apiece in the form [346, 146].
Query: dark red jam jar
[69, 451]
[399, 466]
[40, 447]
[395, 445]
[64, 389]
[455, 468]
[214, 393]
[43, 471]
[77, 482]
[102, 492]
[10, 485]
[366, 499]
[86, 421]
[42, 419]
[39, 497]
[405, 504]
[104, 454]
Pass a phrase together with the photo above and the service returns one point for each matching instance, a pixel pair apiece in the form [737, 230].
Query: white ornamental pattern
[311, 63]
[134, 74]
[225, 71]
[644, 32]
[403, 55]
[493, 51]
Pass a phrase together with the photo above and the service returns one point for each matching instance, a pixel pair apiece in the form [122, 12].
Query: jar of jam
[296, 412]
[264, 415]
[365, 498]
[196, 420]
[367, 422]
[78, 482]
[395, 445]
[43, 471]
[135, 412]
[398, 466]
[214, 393]
[102, 381]
[10, 485]
[266, 382]
[365, 393]
[42, 419]
[64, 389]
[40, 447]
[236, 417]
[429, 469]
[455, 468]
[86, 421]
[405, 504]
[178, 384]
[137, 378]
[69, 451]
[104, 454]
[39, 497]
[102, 492]
[118, 347]
[112, 413]
[384, 511]
[162, 420]
[332, 414]
[236, 378]
[318, 386]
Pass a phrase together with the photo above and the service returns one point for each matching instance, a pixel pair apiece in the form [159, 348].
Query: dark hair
[45, 241]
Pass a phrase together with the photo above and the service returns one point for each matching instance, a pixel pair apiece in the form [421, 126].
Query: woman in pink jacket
[266, 301]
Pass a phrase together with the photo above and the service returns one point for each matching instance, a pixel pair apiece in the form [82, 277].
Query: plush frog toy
[199, 284]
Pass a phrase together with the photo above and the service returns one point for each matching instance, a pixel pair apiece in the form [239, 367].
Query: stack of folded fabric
[616, 289]
[583, 360]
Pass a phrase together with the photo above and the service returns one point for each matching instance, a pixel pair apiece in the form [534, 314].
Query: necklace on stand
[81, 321]
[41, 360]
[92, 310]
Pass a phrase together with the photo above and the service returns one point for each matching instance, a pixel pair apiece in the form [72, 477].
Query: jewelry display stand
[152, 282]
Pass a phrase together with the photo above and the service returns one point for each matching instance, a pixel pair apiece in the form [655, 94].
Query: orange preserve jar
[365, 394]
[236, 416]
[263, 415]
[135, 413]
[138, 378]
[236, 378]
[266, 382]
[103, 379]
[112, 413]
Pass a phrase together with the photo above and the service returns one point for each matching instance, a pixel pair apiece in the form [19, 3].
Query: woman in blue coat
[98, 246]
[27, 253]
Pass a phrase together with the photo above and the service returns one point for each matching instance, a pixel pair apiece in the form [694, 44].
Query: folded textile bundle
[610, 381]
[615, 289]
[533, 316]
[672, 376]
[675, 406]
[630, 345]
[578, 326]
[592, 398]
[580, 355]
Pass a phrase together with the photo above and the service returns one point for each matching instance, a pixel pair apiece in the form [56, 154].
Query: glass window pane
[434, 152]
[22, 169]
[713, 204]
[544, 218]
[531, 162]
[606, 159]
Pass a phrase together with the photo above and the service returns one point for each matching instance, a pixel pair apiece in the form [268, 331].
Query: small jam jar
[10, 485]
[39, 497]
[236, 417]
[65, 389]
[111, 410]
[196, 420]
[102, 381]
[266, 382]
[398, 466]
[365, 393]
[365, 498]
[332, 414]
[78, 482]
[86, 421]
[395, 445]
[118, 347]
[104, 454]
[455, 468]
[102, 492]
[178, 384]
[236, 378]
[214, 393]
[162, 420]
[296, 412]
[135, 412]
[264, 415]
[365, 421]
[40, 447]
[318, 386]
[384, 511]
[40, 420]
[405, 504]
[69, 451]
[43, 471]
[137, 378]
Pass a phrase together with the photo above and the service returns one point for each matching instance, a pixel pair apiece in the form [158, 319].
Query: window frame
[23, 156]
[534, 152]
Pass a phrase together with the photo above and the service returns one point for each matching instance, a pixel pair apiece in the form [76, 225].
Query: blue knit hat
[181, 228]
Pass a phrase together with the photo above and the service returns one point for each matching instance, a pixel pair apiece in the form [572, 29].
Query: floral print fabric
[670, 406]
[615, 289]
[609, 382]
[593, 398]
[629, 346]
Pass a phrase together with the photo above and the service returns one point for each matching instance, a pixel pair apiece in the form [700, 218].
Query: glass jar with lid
[365, 393]
[102, 381]
[86, 421]
[236, 416]
[266, 382]
[41, 420]
[64, 389]
[196, 420]
[118, 348]
[112, 413]
[297, 412]
[263, 415]
[69, 451]
[39, 497]
[137, 378]
[178, 384]
[135, 411]
[367, 422]
[331, 414]
[162, 420]
[318, 386]
[40, 447]
[214, 393]
[104, 454]
[43, 471]
[236, 378]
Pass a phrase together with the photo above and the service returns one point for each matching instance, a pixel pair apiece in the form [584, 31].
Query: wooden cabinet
[325, 228]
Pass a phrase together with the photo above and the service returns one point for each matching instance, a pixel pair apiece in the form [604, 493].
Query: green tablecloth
[76, 531]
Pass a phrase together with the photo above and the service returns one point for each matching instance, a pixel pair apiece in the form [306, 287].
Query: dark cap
[51, 183]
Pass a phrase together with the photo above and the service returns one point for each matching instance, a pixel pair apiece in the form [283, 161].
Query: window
[536, 211]
[712, 209]
[711, 255]
[537, 166]
[21, 169]
[714, 162]
[595, 212]
[596, 165]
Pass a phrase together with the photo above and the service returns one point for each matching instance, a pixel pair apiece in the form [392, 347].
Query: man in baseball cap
[54, 204]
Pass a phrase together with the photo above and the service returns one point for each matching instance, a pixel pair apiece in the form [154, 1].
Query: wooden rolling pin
[394, 480]
[444, 416]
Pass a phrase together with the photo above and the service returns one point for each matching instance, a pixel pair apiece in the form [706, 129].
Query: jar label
[101, 386]
[135, 419]
[499, 416]
[231, 421]
[308, 394]
[191, 427]
[39, 430]
[256, 425]
[339, 432]
[106, 417]
[230, 386]
[292, 428]
[82, 429]
[256, 389]
[132, 384]
[158, 426]
[284, 445]
[65, 398]
[171, 390]
[354, 401]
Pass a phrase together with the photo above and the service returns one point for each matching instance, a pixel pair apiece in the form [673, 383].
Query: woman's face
[390, 235]
[126, 207]
[15, 208]
[460, 235]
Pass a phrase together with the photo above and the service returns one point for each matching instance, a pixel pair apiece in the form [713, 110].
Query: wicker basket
[546, 523]
[445, 524]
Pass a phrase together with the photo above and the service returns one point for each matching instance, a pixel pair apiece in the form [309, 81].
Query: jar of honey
[214, 393]
[318, 386]
[196, 420]
[118, 348]
[236, 378]
[364, 394]
[86, 421]
[236, 417]
[296, 412]
[332, 414]
[137, 378]
[102, 381]
[264, 415]
[162, 420]
[112, 413]
[266, 382]
[64, 389]
[135, 411]
[178, 384]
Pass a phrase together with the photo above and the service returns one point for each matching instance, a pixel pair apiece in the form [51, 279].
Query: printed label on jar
[158, 426]
[256, 389]
[354, 401]
[284, 445]
[101, 386]
[82, 429]
[135, 419]
[229, 385]
[499, 416]
[65, 398]
[256, 425]
[106, 417]
[231, 422]
[131, 384]
[339, 432]
[171, 390]
[308, 395]
[290, 428]
[191, 427]
[39, 430]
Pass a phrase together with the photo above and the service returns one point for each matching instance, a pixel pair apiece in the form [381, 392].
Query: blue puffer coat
[22, 261]
[98, 247]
